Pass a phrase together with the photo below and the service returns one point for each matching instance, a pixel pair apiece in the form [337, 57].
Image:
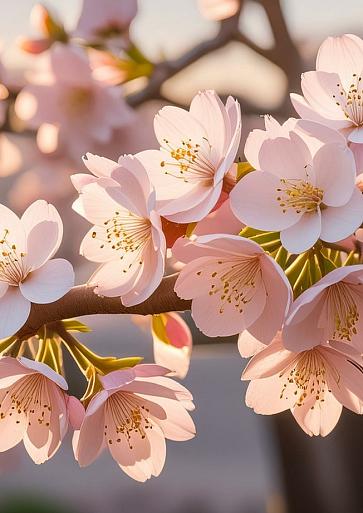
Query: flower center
[234, 281]
[189, 162]
[28, 396]
[125, 231]
[351, 101]
[342, 310]
[128, 417]
[299, 195]
[307, 377]
[12, 264]
[78, 100]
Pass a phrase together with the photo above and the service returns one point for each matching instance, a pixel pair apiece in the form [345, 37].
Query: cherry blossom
[68, 106]
[106, 20]
[314, 384]
[330, 309]
[127, 238]
[333, 93]
[134, 413]
[172, 342]
[234, 285]
[35, 408]
[198, 148]
[302, 194]
[28, 273]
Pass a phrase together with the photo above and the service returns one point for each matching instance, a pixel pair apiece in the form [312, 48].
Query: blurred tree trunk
[321, 475]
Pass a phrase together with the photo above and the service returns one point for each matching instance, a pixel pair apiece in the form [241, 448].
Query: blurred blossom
[11, 158]
[47, 26]
[70, 108]
[4, 93]
[107, 20]
[218, 9]
[47, 178]
[115, 70]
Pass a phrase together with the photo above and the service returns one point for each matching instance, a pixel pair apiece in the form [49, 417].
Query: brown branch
[165, 70]
[81, 300]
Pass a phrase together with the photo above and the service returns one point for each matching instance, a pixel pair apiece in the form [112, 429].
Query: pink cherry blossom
[34, 407]
[198, 148]
[313, 384]
[314, 135]
[47, 26]
[28, 273]
[127, 238]
[106, 19]
[221, 220]
[172, 342]
[234, 285]
[69, 107]
[330, 309]
[218, 9]
[138, 408]
[303, 193]
[332, 93]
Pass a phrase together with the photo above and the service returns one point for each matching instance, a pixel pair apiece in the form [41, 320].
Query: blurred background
[255, 50]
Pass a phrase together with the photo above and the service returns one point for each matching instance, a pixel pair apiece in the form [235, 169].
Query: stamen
[343, 313]
[12, 264]
[190, 160]
[351, 101]
[300, 195]
[308, 377]
[129, 417]
[234, 281]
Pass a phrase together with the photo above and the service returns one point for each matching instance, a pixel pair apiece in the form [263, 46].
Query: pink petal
[248, 345]
[99, 166]
[254, 201]
[320, 90]
[211, 321]
[278, 299]
[48, 283]
[284, 158]
[302, 236]
[44, 369]
[91, 438]
[135, 184]
[356, 136]
[264, 396]
[304, 110]
[117, 379]
[342, 55]
[14, 311]
[268, 362]
[335, 173]
[76, 412]
[43, 241]
[316, 417]
[340, 222]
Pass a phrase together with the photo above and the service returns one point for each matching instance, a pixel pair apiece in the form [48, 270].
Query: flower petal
[302, 236]
[14, 311]
[48, 283]
[337, 223]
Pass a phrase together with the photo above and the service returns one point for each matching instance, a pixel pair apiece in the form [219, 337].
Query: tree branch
[81, 300]
[165, 70]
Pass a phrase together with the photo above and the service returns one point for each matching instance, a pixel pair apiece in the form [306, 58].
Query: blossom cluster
[267, 248]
